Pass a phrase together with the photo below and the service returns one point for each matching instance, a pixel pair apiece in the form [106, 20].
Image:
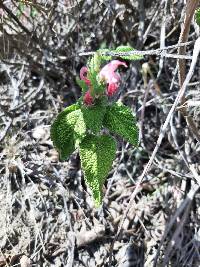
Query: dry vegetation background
[47, 217]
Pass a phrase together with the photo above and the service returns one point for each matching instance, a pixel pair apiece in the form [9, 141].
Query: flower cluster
[108, 75]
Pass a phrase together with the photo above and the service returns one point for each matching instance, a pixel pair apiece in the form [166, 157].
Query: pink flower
[112, 78]
[83, 75]
[88, 99]
[112, 88]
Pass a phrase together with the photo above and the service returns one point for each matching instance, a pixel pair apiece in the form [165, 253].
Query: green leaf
[94, 63]
[93, 117]
[71, 125]
[98, 86]
[104, 57]
[77, 124]
[93, 70]
[62, 132]
[120, 120]
[128, 49]
[92, 76]
[197, 16]
[82, 84]
[97, 154]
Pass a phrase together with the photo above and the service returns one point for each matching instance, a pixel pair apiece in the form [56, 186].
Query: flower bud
[88, 99]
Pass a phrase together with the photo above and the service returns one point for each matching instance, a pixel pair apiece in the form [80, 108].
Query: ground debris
[48, 217]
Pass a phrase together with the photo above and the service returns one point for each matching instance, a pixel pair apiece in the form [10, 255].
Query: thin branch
[157, 52]
[189, 12]
[190, 9]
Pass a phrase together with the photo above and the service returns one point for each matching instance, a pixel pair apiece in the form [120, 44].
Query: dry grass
[47, 213]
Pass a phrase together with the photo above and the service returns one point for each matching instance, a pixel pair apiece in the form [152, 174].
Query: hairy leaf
[93, 117]
[82, 84]
[62, 132]
[93, 70]
[97, 85]
[97, 154]
[95, 62]
[127, 49]
[76, 121]
[103, 56]
[120, 120]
